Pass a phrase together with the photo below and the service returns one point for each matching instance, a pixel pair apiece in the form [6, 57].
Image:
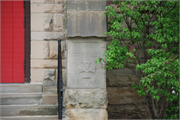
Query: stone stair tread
[28, 110]
[20, 88]
[2, 95]
[19, 99]
[27, 105]
[37, 117]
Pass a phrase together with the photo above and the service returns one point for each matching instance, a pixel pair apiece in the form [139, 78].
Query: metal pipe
[59, 82]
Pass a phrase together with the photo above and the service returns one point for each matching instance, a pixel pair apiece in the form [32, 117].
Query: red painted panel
[18, 42]
[12, 42]
[6, 41]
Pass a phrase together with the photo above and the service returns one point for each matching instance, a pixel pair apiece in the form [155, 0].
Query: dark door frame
[27, 43]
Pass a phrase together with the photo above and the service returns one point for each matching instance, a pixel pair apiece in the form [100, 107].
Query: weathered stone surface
[121, 80]
[86, 23]
[58, 22]
[48, 1]
[48, 22]
[127, 112]
[124, 95]
[124, 71]
[63, 49]
[64, 45]
[64, 76]
[41, 21]
[46, 35]
[86, 5]
[87, 114]
[58, 1]
[42, 1]
[45, 76]
[53, 49]
[37, 21]
[37, 75]
[49, 77]
[37, 117]
[22, 110]
[50, 89]
[50, 99]
[19, 99]
[53, 8]
[86, 98]
[82, 70]
[20, 88]
[39, 49]
[44, 63]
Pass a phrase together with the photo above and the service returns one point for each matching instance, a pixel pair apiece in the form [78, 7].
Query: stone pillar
[86, 95]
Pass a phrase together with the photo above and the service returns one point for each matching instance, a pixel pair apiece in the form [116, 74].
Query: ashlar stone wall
[47, 19]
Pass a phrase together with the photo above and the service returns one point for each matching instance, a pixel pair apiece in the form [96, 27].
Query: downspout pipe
[59, 82]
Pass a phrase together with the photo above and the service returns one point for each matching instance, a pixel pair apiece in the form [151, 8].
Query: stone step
[39, 117]
[21, 98]
[50, 99]
[31, 110]
[20, 88]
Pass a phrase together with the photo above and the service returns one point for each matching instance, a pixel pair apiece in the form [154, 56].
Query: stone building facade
[89, 91]
[81, 26]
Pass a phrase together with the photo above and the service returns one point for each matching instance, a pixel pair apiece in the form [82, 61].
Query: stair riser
[20, 88]
[31, 118]
[28, 110]
[21, 100]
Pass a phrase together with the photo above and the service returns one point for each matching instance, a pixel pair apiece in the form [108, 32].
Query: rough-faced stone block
[86, 23]
[44, 63]
[86, 98]
[48, 22]
[48, 1]
[51, 8]
[86, 114]
[58, 22]
[58, 1]
[49, 77]
[64, 76]
[124, 71]
[53, 49]
[63, 49]
[116, 80]
[42, 1]
[82, 70]
[41, 21]
[41, 63]
[39, 49]
[127, 112]
[124, 95]
[96, 5]
[46, 76]
[46, 35]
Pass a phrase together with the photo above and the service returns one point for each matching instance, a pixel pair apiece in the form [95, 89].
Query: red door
[12, 42]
